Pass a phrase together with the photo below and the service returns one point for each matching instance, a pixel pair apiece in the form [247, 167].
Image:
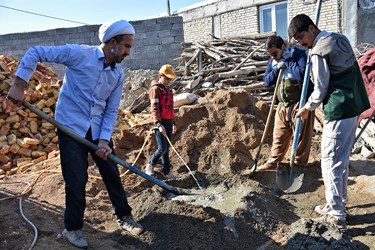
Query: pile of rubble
[26, 139]
[226, 62]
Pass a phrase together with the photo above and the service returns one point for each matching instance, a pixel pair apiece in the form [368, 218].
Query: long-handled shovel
[290, 178]
[112, 157]
[253, 169]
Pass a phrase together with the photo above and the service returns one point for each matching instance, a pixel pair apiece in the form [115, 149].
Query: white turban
[112, 29]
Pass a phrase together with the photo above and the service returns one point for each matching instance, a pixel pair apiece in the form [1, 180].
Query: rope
[140, 151]
[174, 149]
[170, 143]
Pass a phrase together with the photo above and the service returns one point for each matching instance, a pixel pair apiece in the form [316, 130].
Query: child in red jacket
[162, 113]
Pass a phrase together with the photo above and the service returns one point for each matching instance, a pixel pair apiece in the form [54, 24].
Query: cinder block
[150, 22]
[164, 33]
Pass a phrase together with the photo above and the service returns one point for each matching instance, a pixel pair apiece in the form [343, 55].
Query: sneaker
[170, 176]
[76, 238]
[149, 169]
[328, 219]
[129, 224]
[321, 209]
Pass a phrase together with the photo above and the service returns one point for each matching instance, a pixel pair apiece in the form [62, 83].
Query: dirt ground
[218, 138]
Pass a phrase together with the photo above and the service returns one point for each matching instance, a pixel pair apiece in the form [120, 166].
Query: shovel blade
[289, 178]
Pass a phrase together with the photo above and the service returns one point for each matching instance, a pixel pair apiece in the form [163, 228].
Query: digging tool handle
[111, 156]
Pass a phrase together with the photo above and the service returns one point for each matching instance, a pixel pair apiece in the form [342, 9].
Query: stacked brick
[26, 139]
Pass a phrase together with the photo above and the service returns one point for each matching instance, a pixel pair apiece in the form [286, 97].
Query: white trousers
[337, 141]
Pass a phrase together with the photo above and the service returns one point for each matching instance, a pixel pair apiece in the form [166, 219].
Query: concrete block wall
[156, 42]
[18, 43]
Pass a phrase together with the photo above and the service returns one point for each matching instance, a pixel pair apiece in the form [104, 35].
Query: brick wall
[328, 13]
[240, 22]
[156, 42]
[198, 29]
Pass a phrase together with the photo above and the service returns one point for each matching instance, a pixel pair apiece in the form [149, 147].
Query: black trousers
[74, 164]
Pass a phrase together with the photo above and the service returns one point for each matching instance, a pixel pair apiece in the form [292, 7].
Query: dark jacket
[296, 65]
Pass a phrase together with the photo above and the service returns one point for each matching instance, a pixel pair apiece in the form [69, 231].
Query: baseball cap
[167, 70]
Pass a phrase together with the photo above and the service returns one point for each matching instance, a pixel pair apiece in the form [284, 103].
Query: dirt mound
[217, 133]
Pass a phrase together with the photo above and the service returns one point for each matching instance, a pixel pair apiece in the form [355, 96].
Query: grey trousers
[337, 141]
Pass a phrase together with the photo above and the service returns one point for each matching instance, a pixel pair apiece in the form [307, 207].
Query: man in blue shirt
[87, 105]
[293, 62]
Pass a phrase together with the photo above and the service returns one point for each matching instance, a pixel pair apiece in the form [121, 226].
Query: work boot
[149, 169]
[129, 224]
[76, 238]
[267, 167]
[330, 220]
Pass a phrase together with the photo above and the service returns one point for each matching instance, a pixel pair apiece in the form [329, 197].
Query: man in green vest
[339, 86]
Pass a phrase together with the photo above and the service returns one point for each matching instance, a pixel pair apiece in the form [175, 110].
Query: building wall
[156, 42]
[329, 14]
[366, 24]
[349, 24]
[240, 22]
[198, 30]
[240, 17]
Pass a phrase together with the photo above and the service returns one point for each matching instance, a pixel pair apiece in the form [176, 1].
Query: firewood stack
[26, 139]
[229, 63]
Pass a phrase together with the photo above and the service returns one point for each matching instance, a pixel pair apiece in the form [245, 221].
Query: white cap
[112, 29]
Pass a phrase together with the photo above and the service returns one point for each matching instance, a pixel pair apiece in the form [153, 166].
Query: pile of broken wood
[25, 139]
[223, 63]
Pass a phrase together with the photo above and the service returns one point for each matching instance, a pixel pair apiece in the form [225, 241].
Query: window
[274, 17]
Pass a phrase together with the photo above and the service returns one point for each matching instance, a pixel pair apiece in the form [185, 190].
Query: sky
[78, 12]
